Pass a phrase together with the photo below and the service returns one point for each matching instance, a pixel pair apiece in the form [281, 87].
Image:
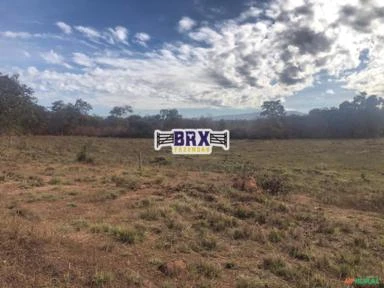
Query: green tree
[58, 106]
[66, 117]
[272, 109]
[17, 105]
[82, 107]
[120, 111]
[169, 114]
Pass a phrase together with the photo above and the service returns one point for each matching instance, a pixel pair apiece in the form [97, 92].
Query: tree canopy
[361, 117]
[272, 109]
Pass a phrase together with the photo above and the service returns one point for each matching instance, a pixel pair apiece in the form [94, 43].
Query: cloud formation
[65, 28]
[267, 52]
[142, 38]
[11, 34]
[186, 24]
[88, 32]
[120, 33]
[52, 57]
[82, 60]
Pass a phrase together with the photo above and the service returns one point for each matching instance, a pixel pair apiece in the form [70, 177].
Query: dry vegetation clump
[247, 184]
[273, 184]
[173, 268]
[299, 214]
[84, 154]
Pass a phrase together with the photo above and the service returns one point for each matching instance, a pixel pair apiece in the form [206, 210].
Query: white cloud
[206, 34]
[186, 24]
[240, 62]
[120, 33]
[32, 70]
[370, 80]
[10, 34]
[26, 54]
[251, 12]
[82, 59]
[330, 92]
[88, 32]
[67, 29]
[52, 57]
[26, 35]
[142, 38]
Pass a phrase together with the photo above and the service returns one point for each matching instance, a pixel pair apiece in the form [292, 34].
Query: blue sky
[204, 57]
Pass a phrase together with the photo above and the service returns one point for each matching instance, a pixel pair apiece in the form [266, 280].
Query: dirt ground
[309, 213]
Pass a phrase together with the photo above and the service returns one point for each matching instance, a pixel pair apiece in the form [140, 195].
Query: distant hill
[250, 116]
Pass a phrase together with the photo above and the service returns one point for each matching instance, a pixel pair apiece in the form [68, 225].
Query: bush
[278, 267]
[273, 264]
[160, 160]
[130, 182]
[208, 270]
[243, 212]
[242, 233]
[251, 283]
[296, 252]
[152, 214]
[273, 185]
[261, 218]
[130, 236]
[208, 243]
[102, 278]
[124, 235]
[83, 155]
[220, 222]
[275, 236]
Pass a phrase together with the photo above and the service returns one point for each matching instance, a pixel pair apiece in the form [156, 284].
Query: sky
[203, 57]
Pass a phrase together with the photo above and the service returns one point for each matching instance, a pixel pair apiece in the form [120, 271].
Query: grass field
[313, 218]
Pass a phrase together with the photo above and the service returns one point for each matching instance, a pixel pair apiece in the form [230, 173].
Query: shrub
[251, 283]
[124, 235]
[102, 278]
[281, 207]
[361, 242]
[278, 267]
[174, 224]
[242, 212]
[83, 155]
[326, 227]
[134, 279]
[152, 214]
[131, 183]
[261, 218]
[207, 270]
[160, 160]
[295, 252]
[273, 264]
[220, 222]
[273, 184]
[208, 243]
[34, 181]
[275, 236]
[242, 233]
[130, 236]
[181, 207]
[54, 181]
[230, 265]
[80, 224]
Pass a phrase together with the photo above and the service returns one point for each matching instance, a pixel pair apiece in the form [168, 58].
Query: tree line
[363, 117]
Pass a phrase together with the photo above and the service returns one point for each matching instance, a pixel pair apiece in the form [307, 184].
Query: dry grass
[104, 223]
